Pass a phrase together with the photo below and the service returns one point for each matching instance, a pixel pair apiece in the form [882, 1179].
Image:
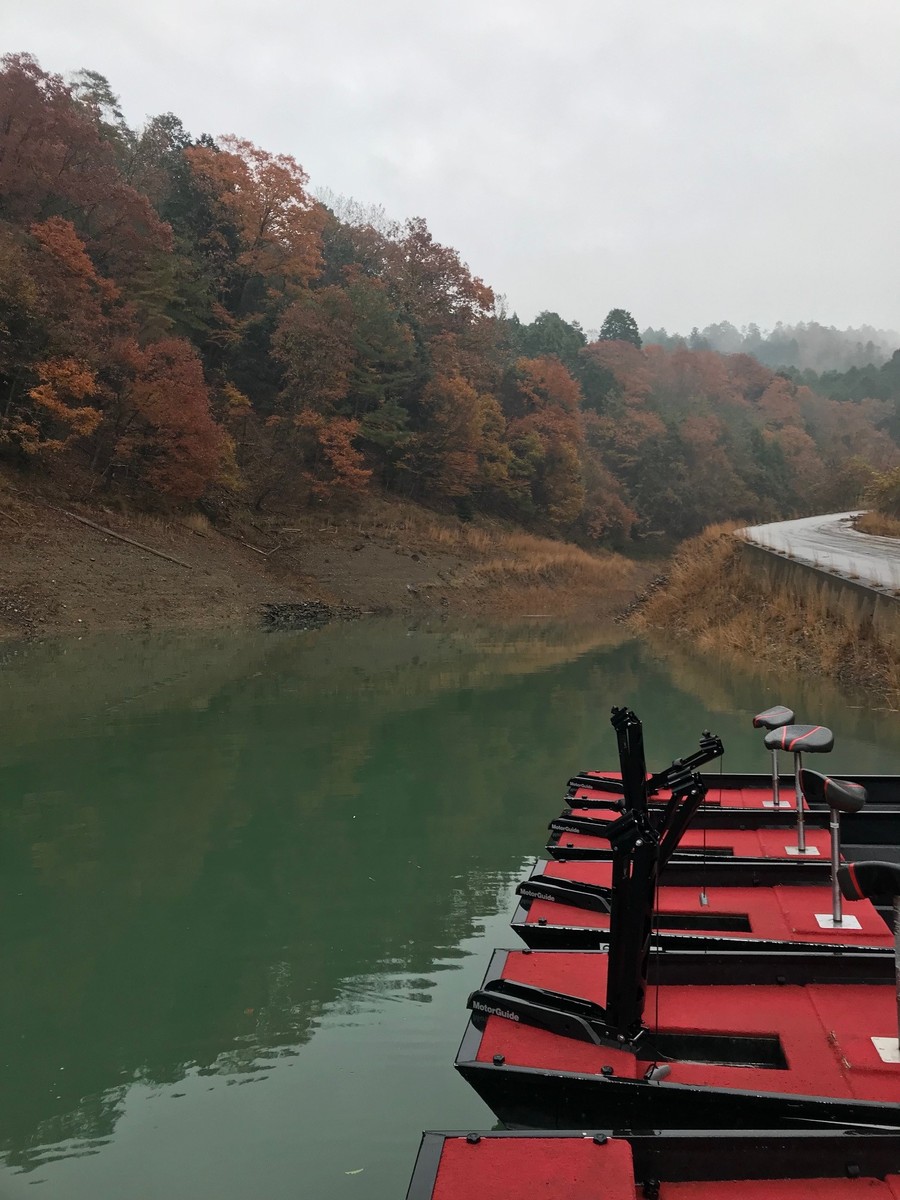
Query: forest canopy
[183, 321]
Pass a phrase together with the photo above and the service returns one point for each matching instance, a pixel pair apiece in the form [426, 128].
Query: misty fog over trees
[807, 346]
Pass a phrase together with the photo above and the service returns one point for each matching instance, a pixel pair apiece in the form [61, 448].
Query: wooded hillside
[182, 321]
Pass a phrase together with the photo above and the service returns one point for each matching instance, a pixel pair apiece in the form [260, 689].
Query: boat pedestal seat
[839, 794]
[808, 739]
[774, 718]
[867, 879]
[813, 739]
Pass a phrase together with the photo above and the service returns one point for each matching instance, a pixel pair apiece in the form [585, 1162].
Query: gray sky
[692, 161]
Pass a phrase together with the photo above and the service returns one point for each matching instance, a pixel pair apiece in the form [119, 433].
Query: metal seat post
[841, 796]
[798, 793]
[774, 718]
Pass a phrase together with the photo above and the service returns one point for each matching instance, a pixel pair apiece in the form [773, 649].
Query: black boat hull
[694, 871]
[549, 1098]
[536, 1098]
[582, 937]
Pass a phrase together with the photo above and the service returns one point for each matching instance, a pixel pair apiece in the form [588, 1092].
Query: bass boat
[753, 1164]
[559, 1039]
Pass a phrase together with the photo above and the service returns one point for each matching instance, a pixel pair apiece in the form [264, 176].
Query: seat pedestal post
[834, 825]
[798, 792]
[776, 783]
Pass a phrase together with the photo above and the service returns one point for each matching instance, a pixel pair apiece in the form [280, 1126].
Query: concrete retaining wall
[874, 609]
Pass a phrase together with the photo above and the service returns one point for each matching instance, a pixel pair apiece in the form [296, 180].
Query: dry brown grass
[549, 563]
[496, 570]
[505, 552]
[878, 524]
[728, 605]
[155, 528]
[522, 572]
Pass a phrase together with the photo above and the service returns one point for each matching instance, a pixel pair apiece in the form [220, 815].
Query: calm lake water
[246, 883]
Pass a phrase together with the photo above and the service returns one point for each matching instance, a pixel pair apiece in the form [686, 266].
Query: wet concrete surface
[832, 544]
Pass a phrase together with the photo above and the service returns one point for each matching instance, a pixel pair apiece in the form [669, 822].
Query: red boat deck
[743, 843]
[825, 1030]
[724, 797]
[580, 1169]
[780, 913]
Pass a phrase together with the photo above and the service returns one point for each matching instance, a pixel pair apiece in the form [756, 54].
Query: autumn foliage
[181, 319]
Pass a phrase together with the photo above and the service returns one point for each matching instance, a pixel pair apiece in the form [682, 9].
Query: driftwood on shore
[122, 538]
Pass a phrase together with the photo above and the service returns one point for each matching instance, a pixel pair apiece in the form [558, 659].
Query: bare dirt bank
[59, 575]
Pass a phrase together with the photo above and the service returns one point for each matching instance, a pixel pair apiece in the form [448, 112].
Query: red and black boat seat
[811, 739]
[773, 718]
[842, 794]
[861, 880]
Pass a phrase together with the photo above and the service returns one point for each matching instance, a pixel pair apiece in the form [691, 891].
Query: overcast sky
[691, 161]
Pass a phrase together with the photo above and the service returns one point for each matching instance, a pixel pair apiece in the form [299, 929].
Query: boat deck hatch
[722, 1049]
[738, 922]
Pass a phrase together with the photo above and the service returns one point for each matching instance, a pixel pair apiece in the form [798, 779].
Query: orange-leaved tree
[166, 438]
[265, 199]
[541, 400]
[54, 162]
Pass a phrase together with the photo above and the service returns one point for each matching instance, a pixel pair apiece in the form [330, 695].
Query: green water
[247, 882]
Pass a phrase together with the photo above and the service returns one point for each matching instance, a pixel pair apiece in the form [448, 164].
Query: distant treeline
[181, 319]
[808, 347]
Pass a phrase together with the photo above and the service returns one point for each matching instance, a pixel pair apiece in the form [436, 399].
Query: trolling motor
[865, 880]
[814, 739]
[639, 849]
[638, 788]
[774, 718]
[632, 760]
[667, 828]
[841, 796]
[710, 748]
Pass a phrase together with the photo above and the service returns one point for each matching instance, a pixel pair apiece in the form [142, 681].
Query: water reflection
[221, 856]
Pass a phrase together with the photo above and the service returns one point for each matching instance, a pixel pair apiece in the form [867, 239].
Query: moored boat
[685, 1165]
[559, 1039]
[544, 1048]
[787, 899]
[743, 801]
[742, 808]
[567, 905]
